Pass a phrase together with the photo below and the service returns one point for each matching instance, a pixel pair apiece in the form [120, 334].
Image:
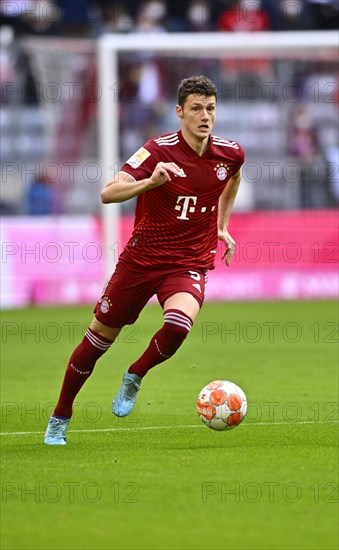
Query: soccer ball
[222, 405]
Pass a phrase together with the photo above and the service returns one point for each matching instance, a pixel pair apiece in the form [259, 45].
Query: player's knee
[105, 331]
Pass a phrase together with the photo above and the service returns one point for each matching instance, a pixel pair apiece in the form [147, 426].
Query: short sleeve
[142, 163]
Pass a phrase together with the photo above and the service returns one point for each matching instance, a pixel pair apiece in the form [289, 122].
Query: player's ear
[179, 111]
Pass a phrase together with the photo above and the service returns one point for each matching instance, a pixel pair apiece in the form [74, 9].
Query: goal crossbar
[256, 43]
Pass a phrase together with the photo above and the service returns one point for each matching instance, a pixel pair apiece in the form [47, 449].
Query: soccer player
[186, 184]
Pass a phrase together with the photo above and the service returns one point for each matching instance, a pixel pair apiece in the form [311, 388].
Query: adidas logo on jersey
[171, 139]
[224, 142]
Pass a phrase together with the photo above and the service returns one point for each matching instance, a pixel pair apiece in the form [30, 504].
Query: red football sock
[80, 367]
[164, 343]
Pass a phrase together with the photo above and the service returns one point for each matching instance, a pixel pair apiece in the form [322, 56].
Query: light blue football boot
[124, 400]
[56, 431]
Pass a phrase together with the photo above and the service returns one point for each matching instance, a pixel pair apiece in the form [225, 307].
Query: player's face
[198, 115]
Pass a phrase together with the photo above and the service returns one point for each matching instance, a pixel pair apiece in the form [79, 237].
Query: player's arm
[226, 202]
[124, 186]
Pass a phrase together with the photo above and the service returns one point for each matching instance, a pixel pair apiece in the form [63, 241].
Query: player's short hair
[200, 85]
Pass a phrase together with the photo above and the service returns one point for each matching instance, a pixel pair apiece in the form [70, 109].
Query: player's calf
[79, 369]
[165, 342]
[162, 346]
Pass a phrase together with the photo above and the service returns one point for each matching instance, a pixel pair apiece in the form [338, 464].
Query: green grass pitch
[160, 479]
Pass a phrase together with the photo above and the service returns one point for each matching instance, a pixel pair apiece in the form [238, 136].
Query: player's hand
[224, 236]
[162, 173]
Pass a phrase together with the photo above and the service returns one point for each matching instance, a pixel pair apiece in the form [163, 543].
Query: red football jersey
[176, 223]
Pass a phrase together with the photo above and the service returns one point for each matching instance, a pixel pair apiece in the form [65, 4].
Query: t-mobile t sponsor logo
[185, 206]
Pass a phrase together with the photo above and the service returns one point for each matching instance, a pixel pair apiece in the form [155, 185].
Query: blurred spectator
[199, 16]
[41, 197]
[140, 83]
[77, 17]
[115, 17]
[43, 18]
[313, 185]
[40, 17]
[151, 17]
[332, 157]
[291, 15]
[326, 13]
[245, 16]
[16, 81]
[92, 17]
[11, 13]
[7, 59]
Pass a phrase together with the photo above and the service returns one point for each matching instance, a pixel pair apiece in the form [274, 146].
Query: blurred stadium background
[281, 105]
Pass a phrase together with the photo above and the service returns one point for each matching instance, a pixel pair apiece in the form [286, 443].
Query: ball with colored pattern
[222, 405]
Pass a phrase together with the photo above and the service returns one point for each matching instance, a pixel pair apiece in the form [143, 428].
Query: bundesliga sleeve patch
[138, 158]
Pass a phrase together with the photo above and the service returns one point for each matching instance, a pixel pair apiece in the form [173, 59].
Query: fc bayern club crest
[105, 304]
[221, 171]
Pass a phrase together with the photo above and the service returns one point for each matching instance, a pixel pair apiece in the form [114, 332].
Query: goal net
[65, 84]
[277, 96]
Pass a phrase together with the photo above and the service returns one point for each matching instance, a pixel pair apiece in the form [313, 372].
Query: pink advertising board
[279, 255]
[47, 260]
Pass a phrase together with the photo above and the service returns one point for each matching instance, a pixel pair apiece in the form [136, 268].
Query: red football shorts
[131, 286]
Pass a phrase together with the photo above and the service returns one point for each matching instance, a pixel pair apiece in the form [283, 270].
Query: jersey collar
[184, 145]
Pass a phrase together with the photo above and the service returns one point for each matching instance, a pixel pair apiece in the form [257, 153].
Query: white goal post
[196, 45]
